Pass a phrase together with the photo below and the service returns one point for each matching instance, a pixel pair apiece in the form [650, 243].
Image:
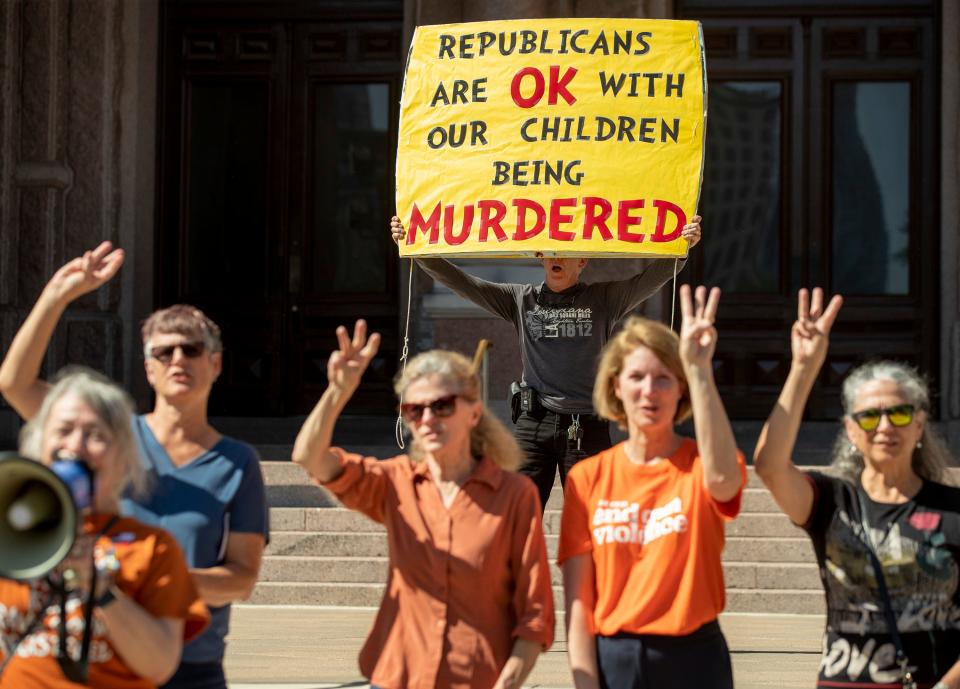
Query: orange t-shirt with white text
[655, 535]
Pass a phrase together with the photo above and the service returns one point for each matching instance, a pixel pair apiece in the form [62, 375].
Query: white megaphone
[39, 511]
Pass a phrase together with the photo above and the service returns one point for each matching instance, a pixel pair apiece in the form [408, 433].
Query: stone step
[374, 544]
[360, 595]
[803, 576]
[289, 486]
[339, 519]
[373, 570]
[784, 601]
[758, 500]
[790, 601]
[769, 549]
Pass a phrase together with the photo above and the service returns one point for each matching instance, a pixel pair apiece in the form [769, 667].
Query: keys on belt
[575, 431]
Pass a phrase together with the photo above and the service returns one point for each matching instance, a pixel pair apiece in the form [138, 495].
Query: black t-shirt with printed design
[561, 333]
[918, 544]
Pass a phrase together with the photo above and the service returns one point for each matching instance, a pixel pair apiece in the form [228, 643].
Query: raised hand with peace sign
[347, 364]
[345, 368]
[86, 273]
[810, 334]
[715, 440]
[698, 335]
[809, 339]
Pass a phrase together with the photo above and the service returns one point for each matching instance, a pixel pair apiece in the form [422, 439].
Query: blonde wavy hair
[930, 461]
[489, 438]
[660, 340]
[113, 407]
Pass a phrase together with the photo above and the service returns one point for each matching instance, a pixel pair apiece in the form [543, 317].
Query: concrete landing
[315, 647]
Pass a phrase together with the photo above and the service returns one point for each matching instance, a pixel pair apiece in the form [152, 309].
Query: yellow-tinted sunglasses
[868, 419]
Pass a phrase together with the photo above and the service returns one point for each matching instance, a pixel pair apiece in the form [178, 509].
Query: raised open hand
[86, 273]
[396, 230]
[810, 335]
[347, 364]
[698, 336]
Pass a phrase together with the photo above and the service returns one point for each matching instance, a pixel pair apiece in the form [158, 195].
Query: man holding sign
[563, 325]
[563, 139]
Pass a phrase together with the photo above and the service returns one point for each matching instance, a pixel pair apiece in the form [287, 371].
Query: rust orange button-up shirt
[465, 581]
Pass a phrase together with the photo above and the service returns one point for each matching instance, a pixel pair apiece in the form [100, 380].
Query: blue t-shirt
[200, 504]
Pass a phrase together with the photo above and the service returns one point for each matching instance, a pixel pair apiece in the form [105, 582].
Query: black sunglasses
[441, 407]
[164, 353]
[868, 419]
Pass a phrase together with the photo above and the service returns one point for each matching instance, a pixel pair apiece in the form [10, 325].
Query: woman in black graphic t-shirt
[886, 495]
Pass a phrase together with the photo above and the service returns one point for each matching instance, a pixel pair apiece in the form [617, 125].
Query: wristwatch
[108, 597]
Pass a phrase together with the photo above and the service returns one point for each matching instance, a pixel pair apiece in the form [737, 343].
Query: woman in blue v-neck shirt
[206, 489]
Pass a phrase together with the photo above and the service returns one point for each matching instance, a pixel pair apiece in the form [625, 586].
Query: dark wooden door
[346, 93]
[277, 137]
[820, 170]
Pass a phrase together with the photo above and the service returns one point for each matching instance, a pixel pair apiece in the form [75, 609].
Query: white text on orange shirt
[619, 521]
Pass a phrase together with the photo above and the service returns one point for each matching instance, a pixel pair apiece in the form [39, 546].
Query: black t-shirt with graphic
[918, 544]
[561, 333]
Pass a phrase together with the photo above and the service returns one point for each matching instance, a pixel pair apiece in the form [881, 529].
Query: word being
[622, 522]
[526, 42]
[520, 173]
[530, 219]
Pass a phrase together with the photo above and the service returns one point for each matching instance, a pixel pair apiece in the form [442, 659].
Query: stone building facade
[80, 95]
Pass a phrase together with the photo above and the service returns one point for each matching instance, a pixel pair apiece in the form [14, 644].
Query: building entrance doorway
[277, 143]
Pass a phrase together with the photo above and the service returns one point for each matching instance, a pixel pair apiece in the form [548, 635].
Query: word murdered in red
[555, 86]
[597, 212]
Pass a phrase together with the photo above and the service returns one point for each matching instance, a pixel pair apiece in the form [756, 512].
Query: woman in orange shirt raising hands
[643, 522]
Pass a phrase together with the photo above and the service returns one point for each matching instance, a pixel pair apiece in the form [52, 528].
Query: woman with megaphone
[207, 489]
[115, 612]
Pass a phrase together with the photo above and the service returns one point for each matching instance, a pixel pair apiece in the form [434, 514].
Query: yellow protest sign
[578, 137]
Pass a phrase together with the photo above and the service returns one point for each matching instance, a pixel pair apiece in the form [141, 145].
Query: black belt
[584, 418]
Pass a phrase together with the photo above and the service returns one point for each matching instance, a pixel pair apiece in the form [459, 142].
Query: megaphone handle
[78, 671]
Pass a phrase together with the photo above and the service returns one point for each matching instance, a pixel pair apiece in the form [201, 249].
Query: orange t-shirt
[655, 535]
[152, 571]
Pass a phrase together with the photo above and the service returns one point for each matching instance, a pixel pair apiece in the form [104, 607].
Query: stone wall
[72, 79]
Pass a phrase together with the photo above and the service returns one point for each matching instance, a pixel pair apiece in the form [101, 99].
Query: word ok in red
[557, 86]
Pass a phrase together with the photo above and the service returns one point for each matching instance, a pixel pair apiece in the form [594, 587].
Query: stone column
[67, 182]
[950, 220]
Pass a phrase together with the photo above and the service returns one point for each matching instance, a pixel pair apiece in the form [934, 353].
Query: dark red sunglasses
[441, 407]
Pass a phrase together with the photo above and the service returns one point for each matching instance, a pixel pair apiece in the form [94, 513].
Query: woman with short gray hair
[207, 488]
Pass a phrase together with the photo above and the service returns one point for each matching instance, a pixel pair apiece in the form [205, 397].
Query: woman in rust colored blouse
[468, 601]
